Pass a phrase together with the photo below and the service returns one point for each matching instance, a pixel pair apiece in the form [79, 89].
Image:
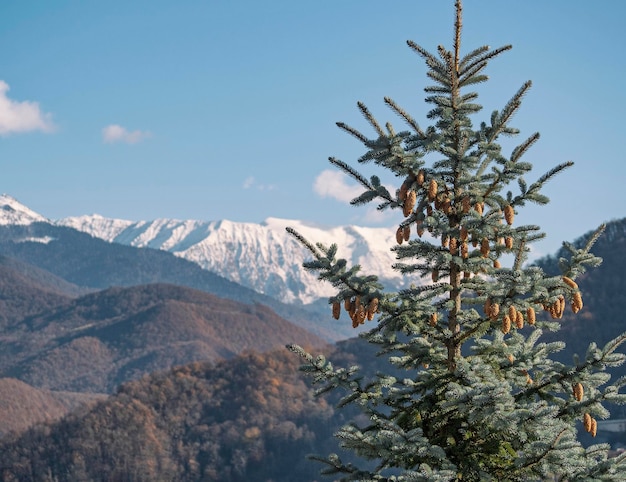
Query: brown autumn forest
[235, 409]
[96, 342]
[244, 419]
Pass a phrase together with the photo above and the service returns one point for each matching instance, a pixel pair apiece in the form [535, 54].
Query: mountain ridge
[99, 340]
[260, 256]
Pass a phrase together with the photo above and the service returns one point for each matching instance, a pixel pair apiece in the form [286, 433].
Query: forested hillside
[252, 418]
[95, 342]
[22, 405]
[24, 291]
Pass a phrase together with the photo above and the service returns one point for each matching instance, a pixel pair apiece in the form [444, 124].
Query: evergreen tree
[475, 394]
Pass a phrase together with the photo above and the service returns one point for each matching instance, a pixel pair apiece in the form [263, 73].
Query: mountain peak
[14, 212]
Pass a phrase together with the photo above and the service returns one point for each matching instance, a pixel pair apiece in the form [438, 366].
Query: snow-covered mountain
[263, 256]
[13, 212]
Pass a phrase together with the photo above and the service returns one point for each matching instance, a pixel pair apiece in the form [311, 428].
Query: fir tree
[479, 396]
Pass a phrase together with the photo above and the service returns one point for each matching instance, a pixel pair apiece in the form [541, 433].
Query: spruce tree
[475, 394]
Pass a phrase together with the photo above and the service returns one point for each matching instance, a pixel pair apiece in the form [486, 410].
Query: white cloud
[250, 182]
[22, 116]
[334, 184]
[116, 133]
[375, 216]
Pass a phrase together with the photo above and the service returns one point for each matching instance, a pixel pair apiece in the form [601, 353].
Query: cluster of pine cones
[357, 311]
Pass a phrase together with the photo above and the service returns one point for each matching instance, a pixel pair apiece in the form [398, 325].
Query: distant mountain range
[263, 257]
[91, 264]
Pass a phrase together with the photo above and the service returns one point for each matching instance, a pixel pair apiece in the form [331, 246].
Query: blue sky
[226, 110]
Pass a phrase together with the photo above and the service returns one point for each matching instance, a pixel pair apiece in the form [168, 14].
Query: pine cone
[479, 208]
[577, 302]
[530, 315]
[445, 241]
[454, 247]
[336, 310]
[404, 189]
[432, 321]
[509, 214]
[435, 275]
[495, 311]
[570, 282]
[432, 190]
[466, 204]
[409, 203]
[353, 315]
[506, 324]
[594, 427]
[508, 242]
[354, 306]
[562, 306]
[519, 320]
[463, 234]
[496, 264]
[420, 177]
[372, 308]
[578, 391]
[419, 227]
[484, 247]
[400, 235]
[512, 312]
[406, 233]
[361, 314]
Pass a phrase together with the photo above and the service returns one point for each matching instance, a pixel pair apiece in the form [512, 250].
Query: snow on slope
[96, 225]
[263, 256]
[13, 212]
